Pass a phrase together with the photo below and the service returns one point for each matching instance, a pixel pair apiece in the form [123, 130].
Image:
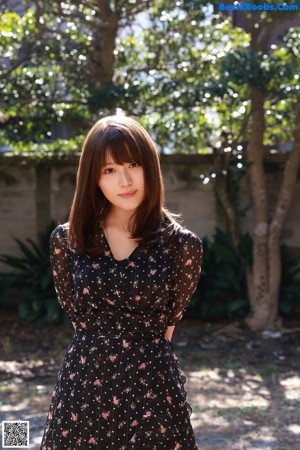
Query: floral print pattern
[120, 385]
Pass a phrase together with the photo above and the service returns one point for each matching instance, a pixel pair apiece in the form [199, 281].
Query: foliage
[181, 68]
[34, 278]
[5, 281]
[222, 290]
[289, 294]
[222, 287]
[51, 58]
[45, 150]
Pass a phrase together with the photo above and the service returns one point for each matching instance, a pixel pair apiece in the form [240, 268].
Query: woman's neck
[119, 219]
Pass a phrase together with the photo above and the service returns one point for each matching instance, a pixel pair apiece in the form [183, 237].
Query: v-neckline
[111, 253]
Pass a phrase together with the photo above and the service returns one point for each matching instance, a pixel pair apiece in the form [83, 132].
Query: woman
[124, 271]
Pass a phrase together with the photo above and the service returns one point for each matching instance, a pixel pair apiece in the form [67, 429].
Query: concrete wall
[31, 194]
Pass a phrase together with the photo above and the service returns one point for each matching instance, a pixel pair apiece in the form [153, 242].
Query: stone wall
[31, 194]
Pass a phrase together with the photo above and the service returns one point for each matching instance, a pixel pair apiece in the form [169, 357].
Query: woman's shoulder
[179, 234]
[60, 233]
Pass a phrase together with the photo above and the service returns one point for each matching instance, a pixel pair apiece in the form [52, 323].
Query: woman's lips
[128, 194]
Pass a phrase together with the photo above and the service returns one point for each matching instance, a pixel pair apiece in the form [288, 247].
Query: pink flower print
[125, 344]
[83, 324]
[65, 433]
[116, 401]
[95, 266]
[82, 360]
[142, 366]
[175, 357]
[133, 439]
[57, 251]
[74, 417]
[107, 253]
[92, 440]
[85, 291]
[169, 399]
[71, 349]
[134, 423]
[156, 341]
[72, 375]
[167, 287]
[112, 358]
[153, 271]
[177, 446]
[138, 298]
[188, 262]
[131, 264]
[54, 273]
[50, 415]
[149, 393]
[59, 405]
[105, 415]
[111, 302]
[97, 382]
[147, 414]
[162, 429]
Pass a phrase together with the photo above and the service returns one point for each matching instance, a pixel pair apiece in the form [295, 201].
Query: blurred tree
[54, 55]
[264, 78]
[197, 84]
[276, 82]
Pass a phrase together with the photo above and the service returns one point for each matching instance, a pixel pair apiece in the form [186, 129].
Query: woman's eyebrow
[110, 163]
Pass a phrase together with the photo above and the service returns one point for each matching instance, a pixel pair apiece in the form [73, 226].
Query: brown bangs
[122, 149]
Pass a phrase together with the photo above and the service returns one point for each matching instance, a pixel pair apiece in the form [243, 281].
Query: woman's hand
[169, 332]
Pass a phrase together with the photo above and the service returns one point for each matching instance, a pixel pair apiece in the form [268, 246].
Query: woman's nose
[125, 178]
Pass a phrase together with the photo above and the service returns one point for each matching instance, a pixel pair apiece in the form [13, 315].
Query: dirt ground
[244, 389]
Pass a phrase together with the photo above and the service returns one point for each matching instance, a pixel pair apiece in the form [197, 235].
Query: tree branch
[288, 182]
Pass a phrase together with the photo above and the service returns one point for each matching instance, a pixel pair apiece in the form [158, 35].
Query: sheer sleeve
[187, 271]
[62, 275]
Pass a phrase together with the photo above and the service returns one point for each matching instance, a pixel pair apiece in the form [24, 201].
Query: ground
[244, 389]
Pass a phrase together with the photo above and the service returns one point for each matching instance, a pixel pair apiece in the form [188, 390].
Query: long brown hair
[126, 140]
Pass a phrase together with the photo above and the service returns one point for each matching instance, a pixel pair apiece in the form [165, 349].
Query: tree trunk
[264, 280]
[104, 44]
[264, 311]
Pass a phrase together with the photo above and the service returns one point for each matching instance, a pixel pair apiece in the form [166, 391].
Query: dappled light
[244, 390]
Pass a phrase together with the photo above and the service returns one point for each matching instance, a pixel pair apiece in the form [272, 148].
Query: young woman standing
[124, 272]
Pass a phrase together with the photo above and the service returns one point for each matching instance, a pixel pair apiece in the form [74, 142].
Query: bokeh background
[217, 86]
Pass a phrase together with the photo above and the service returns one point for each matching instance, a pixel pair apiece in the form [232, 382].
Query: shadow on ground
[244, 390]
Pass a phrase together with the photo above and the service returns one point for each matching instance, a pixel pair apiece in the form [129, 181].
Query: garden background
[219, 93]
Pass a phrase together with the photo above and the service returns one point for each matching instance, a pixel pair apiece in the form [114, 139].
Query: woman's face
[122, 185]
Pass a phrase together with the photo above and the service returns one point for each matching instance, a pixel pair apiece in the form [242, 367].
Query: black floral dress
[120, 385]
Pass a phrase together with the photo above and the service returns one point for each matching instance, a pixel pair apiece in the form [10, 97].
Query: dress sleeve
[62, 275]
[188, 263]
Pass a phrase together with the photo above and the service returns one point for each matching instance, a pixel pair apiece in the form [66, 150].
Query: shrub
[34, 277]
[222, 289]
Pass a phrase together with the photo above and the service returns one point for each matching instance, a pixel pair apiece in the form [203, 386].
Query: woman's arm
[169, 332]
[62, 272]
[186, 275]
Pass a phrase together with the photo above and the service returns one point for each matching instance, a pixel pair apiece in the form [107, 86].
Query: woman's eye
[134, 164]
[109, 170]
